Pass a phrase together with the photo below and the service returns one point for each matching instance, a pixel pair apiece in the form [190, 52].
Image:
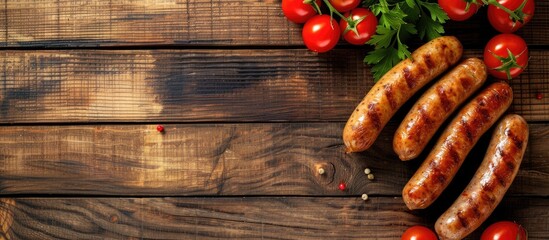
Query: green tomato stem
[315, 6]
[507, 10]
[333, 10]
[508, 62]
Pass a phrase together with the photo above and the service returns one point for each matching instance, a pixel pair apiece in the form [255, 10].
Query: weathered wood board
[235, 218]
[77, 23]
[206, 85]
[222, 159]
[250, 116]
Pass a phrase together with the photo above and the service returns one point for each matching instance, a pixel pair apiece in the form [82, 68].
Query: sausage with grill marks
[395, 88]
[490, 182]
[436, 105]
[459, 137]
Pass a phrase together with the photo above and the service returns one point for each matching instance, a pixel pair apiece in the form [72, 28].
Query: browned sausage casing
[459, 137]
[395, 88]
[490, 182]
[436, 105]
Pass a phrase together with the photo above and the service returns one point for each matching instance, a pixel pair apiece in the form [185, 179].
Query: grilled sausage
[490, 182]
[459, 137]
[436, 105]
[395, 88]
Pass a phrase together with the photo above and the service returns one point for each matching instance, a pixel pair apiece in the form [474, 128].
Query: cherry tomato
[364, 22]
[297, 11]
[321, 33]
[504, 230]
[497, 59]
[344, 5]
[456, 9]
[418, 233]
[501, 20]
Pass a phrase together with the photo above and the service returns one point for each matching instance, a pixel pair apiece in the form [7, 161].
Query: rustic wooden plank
[205, 85]
[223, 159]
[74, 23]
[145, 22]
[237, 218]
[173, 85]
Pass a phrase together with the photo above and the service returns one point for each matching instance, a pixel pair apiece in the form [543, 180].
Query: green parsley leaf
[437, 14]
[393, 18]
[383, 37]
[382, 59]
[403, 52]
[366, 3]
[399, 21]
[413, 13]
[411, 3]
[429, 28]
[409, 28]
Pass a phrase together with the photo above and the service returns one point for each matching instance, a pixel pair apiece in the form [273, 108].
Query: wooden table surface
[249, 115]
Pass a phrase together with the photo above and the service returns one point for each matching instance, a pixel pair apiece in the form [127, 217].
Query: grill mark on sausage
[466, 82]
[477, 121]
[374, 116]
[424, 121]
[467, 129]
[437, 175]
[516, 140]
[443, 46]
[501, 175]
[507, 157]
[453, 153]
[509, 163]
[425, 116]
[486, 197]
[474, 208]
[390, 96]
[481, 102]
[428, 61]
[489, 185]
[441, 178]
[444, 101]
[485, 113]
[499, 151]
[498, 97]
[451, 55]
[462, 219]
[411, 80]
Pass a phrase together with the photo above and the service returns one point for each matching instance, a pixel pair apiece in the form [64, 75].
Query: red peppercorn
[342, 186]
[160, 128]
[539, 96]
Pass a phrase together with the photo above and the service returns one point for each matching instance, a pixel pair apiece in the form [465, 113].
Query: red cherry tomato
[501, 20]
[456, 9]
[344, 5]
[504, 230]
[365, 23]
[297, 11]
[321, 33]
[497, 59]
[419, 233]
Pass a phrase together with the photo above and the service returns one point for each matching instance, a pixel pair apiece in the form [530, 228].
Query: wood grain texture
[76, 23]
[206, 85]
[144, 22]
[226, 159]
[237, 218]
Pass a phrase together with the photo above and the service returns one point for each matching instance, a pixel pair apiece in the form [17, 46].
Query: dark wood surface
[250, 116]
[222, 159]
[235, 218]
[243, 85]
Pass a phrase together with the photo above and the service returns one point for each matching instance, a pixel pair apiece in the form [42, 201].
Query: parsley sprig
[399, 21]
